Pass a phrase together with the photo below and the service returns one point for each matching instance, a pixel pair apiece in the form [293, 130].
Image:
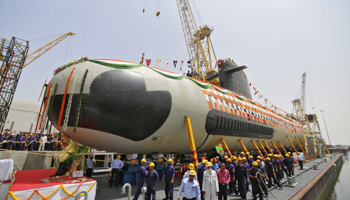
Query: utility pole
[325, 126]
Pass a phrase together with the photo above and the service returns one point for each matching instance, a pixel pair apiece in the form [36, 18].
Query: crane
[13, 61]
[199, 45]
[39, 52]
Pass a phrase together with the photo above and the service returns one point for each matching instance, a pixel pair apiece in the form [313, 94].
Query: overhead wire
[45, 37]
[65, 57]
[199, 16]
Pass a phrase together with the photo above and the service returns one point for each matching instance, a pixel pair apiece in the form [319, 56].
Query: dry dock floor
[303, 177]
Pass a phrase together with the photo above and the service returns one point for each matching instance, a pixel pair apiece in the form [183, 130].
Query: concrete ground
[303, 177]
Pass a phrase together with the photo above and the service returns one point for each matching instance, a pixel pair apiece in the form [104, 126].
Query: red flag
[182, 62]
[250, 84]
[256, 93]
[148, 62]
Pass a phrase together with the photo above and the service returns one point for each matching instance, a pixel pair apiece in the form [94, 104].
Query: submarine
[125, 107]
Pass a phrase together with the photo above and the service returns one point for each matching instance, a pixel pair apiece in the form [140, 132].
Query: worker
[152, 178]
[12, 142]
[278, 167]
[117, 166]
[52, 143]
[255, 177]
[210, 186]
[225, 158]
[241, 154]
[224, 180]
[186, 175]
[244, 162]
[190, 188]
[249, 159]
[300, 160]
[233, 182]
[215, 164]
[271, 173]
[168, 178]
[230, 169]
[263, 177]
[242, 177]
[200, 175]
[200, 163]
[30, 142]
[142, 178]
[21, 140]
[288, 165]
[292, 162]
[90, 165]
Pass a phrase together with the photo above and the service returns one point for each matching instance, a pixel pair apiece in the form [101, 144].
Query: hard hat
[225, 157]
[275, 155]
[287, 155]
[204, 161]
[191, 166]
[211, 160]
[234, 158]
[229, 160]
[217, 157]
[203, 158]
[209, 164]
[151, 164]
[239, 159]
[242, 152]
[244, 158]
[192, 172]
[247, 153]
[214, 159]
[143, 160]
[170, 160]
[259, 157]
[270, 154]
[250, 156]
[119, 156]
[258, 161]
[268, 159]
[298, 153]
[255, 163]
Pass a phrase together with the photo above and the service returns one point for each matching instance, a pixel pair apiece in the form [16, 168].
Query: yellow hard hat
[259, 157]
[298, 153]
[258, 161]
[229, 160]
[239, 158]
[211, 160]
[204, 161]
[247, 153]
[268, 158]
[234, 158]
[170, 160]
[191, 166]
[244, 158]
[287, 155]
[250, 156]
[192, 172]
[270, 154]
[118, 156]
[225, 157]
[209, 164]
[255, 163]
[143, 160]
[151, 164]
[242, 152]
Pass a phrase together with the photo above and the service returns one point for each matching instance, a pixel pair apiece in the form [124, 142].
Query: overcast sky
[277, 40]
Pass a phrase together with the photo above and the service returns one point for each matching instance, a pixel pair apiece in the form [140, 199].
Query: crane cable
[45, 37]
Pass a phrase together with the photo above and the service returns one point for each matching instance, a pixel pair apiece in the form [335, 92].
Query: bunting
[157, 61]
[166, 64]
[175, 62]
[189, 64]
[148, 62]
[182, 62]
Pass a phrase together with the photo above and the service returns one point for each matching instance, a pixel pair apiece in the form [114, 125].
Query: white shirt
[300, 157]
[43, 139]
[117, 164]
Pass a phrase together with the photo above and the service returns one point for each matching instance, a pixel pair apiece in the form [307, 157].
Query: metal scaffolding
[12, 54]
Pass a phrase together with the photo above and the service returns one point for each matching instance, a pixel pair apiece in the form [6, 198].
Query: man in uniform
[152, 178]
[287, 163]
[271, 173]
[292, 162]
[210, 187]
[244, 162]
[242, 176]
[300, 160]
[200, 175]
[263, 177]
[117, 166]
[215, 164]
[255, 177]
[168, 178]
[190, 187]
[142, 178]
[278, 167]
[90, 165]
[230, 169]
[11, 142]
[186, 175]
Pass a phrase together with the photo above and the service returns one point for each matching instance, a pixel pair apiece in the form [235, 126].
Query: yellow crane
[39, 52]
[199, 45]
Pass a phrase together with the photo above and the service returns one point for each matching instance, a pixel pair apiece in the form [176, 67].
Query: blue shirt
[216, 166]
[169, 173]
[117, 164]
[90, 164]
[191, 189]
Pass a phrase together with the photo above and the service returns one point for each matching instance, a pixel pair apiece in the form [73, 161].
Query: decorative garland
[46, 121]
[69, 104]
[52, 99]
[74, 62]
[80, 100]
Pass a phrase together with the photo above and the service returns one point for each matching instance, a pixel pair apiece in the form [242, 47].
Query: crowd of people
[24, 141]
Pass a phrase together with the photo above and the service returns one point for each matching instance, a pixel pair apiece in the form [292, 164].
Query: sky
[278, 40]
